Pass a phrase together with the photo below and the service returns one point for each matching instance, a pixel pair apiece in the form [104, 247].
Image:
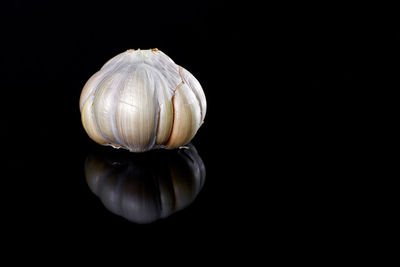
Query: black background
[268, 73]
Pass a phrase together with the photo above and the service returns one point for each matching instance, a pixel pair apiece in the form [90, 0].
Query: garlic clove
[104, 108]
[165, 114]
[195, 86]
[136, 114]
[89, 89]
[89, 122]
[186, 117]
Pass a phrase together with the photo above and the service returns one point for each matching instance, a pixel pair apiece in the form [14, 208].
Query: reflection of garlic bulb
[141, 100]
[145, 188]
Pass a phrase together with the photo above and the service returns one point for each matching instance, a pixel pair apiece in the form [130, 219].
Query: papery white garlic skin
[141, 100]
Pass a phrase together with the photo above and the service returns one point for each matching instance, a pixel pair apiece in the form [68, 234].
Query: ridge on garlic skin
[141, 100]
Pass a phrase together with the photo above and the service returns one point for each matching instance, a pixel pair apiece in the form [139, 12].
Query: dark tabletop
[257, 169]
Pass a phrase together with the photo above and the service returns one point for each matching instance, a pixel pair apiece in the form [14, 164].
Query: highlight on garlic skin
[141, 100]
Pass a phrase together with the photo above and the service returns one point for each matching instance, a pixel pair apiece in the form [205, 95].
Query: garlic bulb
[141, 100]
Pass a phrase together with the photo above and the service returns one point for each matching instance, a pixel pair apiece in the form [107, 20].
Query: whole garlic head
[141, 100]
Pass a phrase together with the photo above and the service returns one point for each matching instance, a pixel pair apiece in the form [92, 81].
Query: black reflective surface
[268, 144]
